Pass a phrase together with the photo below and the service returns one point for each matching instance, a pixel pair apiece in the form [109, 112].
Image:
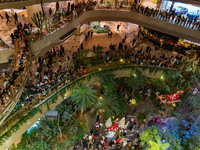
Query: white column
[31, 10]
[12, 11]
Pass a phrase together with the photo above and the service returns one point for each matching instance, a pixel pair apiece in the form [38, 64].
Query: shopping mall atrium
[99, 75]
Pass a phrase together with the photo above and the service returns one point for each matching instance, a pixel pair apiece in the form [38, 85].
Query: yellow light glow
[162, 77]
[121, 60]
[99, 69]
[133, 102]
[173, 104]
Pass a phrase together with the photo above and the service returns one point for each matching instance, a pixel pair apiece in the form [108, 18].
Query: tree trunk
[91, 119]
[59, 127]
[82, 110]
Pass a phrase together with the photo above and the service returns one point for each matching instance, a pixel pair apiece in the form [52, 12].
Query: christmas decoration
[173, 98]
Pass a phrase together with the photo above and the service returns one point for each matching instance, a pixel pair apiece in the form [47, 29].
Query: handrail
[25, 75]
[39, 34]
[34, 37]
[37, 100]
[13, 61]
[17, 87]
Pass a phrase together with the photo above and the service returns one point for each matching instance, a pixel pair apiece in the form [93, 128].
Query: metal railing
[68, 19]
[15, 89]
[38, 100]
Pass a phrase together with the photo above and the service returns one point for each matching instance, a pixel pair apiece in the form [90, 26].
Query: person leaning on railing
[165, 15]
[9, 81]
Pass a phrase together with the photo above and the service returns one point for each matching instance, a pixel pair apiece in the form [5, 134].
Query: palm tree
[108, 83]
[136, 80]
[110, 104]
[84, 97]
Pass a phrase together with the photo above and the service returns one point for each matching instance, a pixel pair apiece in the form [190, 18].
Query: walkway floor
[71, 45]
[7, 29]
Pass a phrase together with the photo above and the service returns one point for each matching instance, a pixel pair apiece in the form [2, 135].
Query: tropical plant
[151, 139]
[107, 83]
[110, 106]
[39, 145]
[97, 51]
[47, 130]
[38, 18]
[136, 80]
[174, 79]
[96, 28]
[196, 101]
[160, 86]
[84, 97]
[82, 58]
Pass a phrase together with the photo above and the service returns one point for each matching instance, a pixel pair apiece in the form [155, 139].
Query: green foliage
[110, 104]
[15, 127]
[136, 80]
[57, 16]
[38, 18]
[151, 139]
[96, 28]
[141, 117]
[97, 51]
[174, 79]
[39, 145]
[82, 59]
[196, 101]
[32, 112]
[160, 86]
[107, 82]
[84, 96]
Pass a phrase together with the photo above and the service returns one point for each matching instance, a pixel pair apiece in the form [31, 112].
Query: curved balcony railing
[14, 90]
[68, 19]
[13, 64]
[37, 101]
[17, 88]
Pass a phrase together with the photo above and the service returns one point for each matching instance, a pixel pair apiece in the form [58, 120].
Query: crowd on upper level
[46, 77]
[167, 15]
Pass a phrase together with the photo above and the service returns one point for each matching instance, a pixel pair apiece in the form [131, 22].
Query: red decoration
[113, 127]
[173, 98]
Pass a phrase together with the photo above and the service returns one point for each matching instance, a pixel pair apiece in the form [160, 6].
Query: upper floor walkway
[55, 37]
[36, 109]
[5, 4]
[40, 46]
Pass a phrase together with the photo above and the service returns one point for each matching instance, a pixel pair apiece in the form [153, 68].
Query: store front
[147, 3]
[151, 3]
[171, 43]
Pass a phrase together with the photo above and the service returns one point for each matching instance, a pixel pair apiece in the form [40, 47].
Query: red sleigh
[169, 98]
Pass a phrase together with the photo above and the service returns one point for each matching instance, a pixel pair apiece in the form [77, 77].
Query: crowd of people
[49, 74]
[20, 37]
[101, 137]
[167, 15]
[46, 76]
[10, 80]
[142, 56]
